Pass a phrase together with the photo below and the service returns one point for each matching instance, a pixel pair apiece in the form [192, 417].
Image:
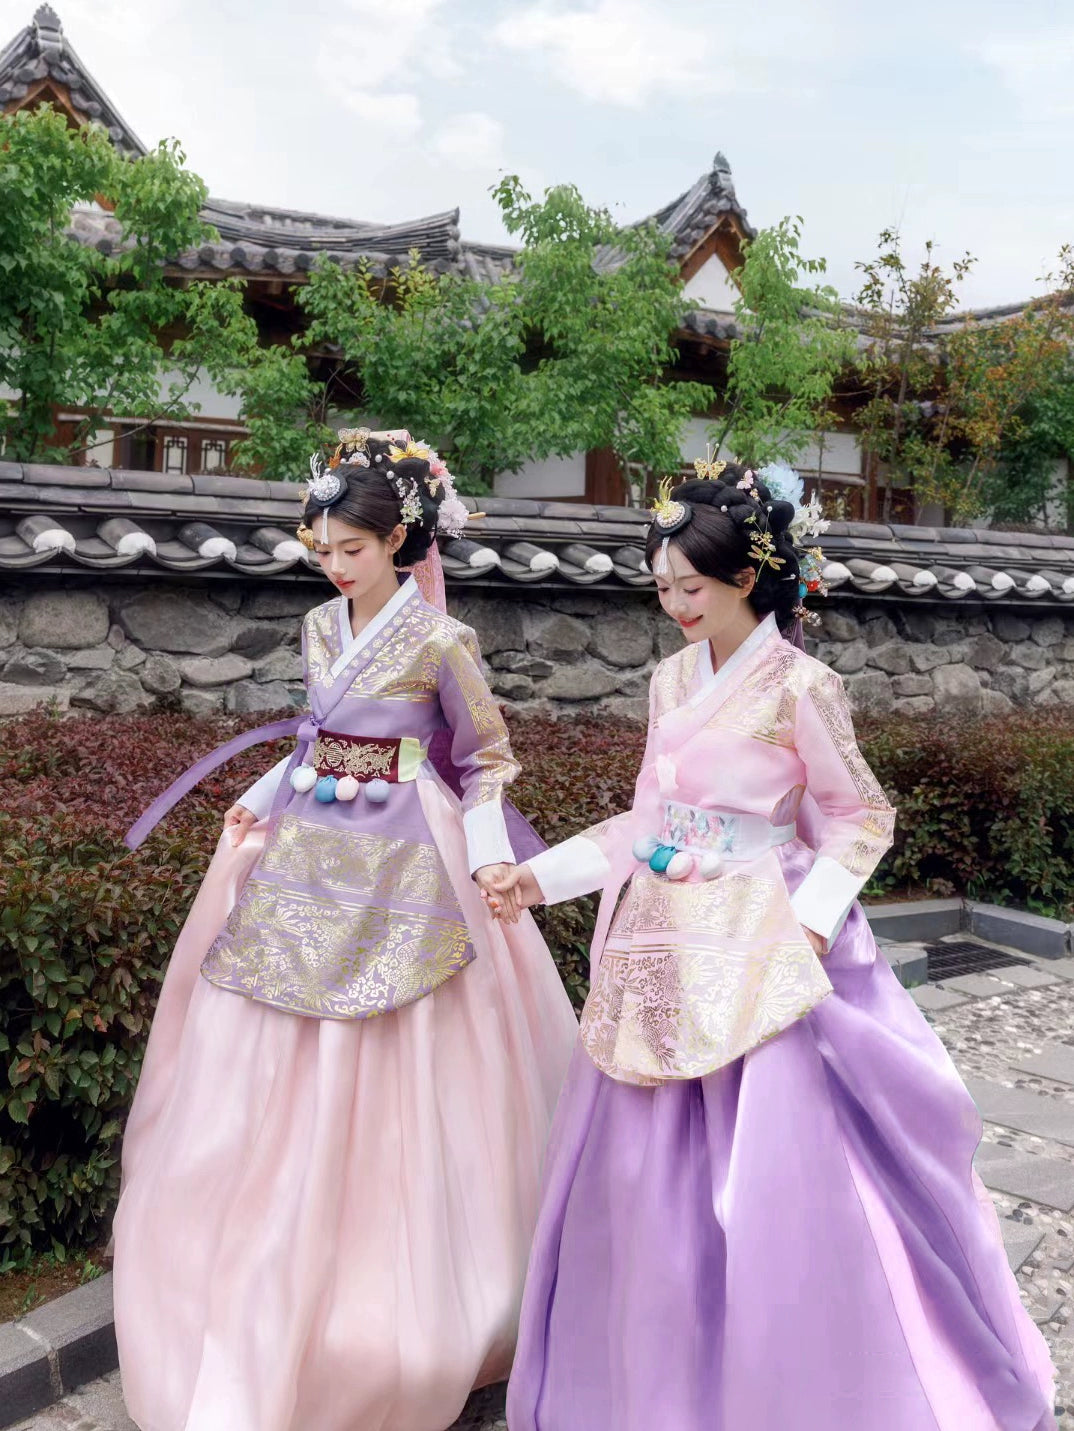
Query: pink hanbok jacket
[755, 769]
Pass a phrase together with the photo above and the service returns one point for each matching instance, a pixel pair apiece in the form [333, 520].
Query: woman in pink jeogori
[330, 1172]
[759, 1211]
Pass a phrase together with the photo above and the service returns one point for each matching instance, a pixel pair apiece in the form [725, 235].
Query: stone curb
[919, 921]
[55, 1349]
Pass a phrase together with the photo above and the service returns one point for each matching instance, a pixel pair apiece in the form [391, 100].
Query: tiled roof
[280, 242]
[42, 52]
[81, 519]
[694, 214]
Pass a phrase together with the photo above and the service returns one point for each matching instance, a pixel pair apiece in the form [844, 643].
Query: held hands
[239, 821]
[512, 889]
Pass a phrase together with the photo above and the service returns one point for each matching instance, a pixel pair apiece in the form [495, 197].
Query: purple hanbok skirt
[795, 1243]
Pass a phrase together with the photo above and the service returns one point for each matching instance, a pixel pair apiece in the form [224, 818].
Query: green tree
[899, 310]
[565, 352]
[792, 347]
[968, 414]
[104, 332]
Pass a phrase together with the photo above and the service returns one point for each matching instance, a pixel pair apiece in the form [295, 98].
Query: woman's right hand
[239, 820]
[521, 879]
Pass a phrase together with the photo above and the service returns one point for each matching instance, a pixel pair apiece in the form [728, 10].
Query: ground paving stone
[1055, 1062]
[1027, 1175]
[1023, 1110]
[1027, 976]
[1019, 1243]
[978, 986]
[931, 996]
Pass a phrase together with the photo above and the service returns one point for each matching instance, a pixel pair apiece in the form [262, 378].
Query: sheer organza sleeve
[480, 751]
[857, 819]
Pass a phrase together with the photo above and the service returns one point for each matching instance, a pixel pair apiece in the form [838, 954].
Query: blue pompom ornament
[661, 857]
[377, 791]
[325, 790]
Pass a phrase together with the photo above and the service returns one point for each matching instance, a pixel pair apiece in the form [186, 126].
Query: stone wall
[926, 658]
[234, 646]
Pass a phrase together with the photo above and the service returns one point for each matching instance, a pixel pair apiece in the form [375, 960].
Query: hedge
[86, 928]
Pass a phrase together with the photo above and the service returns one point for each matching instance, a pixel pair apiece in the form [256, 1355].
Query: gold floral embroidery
[684, 1012]
[328, 959]
[322, 641]
[407, 669]
[763, 707]
[672, 680]
[733, 904]
[497, 766]
[373, 865]
[875, 830]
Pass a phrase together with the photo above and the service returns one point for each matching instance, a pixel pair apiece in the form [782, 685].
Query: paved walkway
[1011, 1034]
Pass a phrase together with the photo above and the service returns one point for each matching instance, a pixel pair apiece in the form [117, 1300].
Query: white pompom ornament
[347, 788]
[643, 847]
[303, 778]
[680, 866]
[377, 791]
[710, 865]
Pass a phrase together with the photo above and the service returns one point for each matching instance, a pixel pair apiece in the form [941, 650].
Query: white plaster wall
[712, 286]
[545, 480]
[202, 398]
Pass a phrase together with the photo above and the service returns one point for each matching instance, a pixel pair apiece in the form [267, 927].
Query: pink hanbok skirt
[324, 1225]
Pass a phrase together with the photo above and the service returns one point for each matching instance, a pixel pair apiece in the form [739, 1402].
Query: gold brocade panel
[694, 975]
[376, 866]
[687, 1011]
[327, 958]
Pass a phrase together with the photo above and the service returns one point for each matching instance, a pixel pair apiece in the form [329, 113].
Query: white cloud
[379, 60]
[617, 52]
[471, 141]
[397, 113]
[1035, 68]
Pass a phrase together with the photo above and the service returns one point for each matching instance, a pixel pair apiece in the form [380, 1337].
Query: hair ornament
[670, 516]
[328, 484]
[708, 470]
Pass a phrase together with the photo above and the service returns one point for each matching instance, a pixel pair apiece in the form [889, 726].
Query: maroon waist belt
[366, 757]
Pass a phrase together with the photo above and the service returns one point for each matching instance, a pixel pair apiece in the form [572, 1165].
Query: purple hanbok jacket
[350, 911]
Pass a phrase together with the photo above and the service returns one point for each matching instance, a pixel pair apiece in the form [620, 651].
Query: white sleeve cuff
[578, 866]
[824, 898]
[487, 840]
[261, 794]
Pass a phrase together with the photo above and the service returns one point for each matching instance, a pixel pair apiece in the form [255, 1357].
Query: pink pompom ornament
[347, 788]
[680, 866]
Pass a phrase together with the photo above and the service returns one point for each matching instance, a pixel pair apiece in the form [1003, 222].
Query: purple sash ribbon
[277, 730]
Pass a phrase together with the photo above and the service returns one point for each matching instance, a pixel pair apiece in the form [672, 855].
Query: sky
[951, 120]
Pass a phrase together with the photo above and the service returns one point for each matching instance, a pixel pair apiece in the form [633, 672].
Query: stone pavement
[1011, 1033]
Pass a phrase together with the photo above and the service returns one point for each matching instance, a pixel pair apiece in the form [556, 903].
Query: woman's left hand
[503, 902]
[820, 944]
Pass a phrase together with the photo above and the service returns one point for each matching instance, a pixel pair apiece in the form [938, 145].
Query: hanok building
[272, 252]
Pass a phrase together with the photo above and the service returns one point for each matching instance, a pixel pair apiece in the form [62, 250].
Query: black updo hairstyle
[717, 540]
[374, 495]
